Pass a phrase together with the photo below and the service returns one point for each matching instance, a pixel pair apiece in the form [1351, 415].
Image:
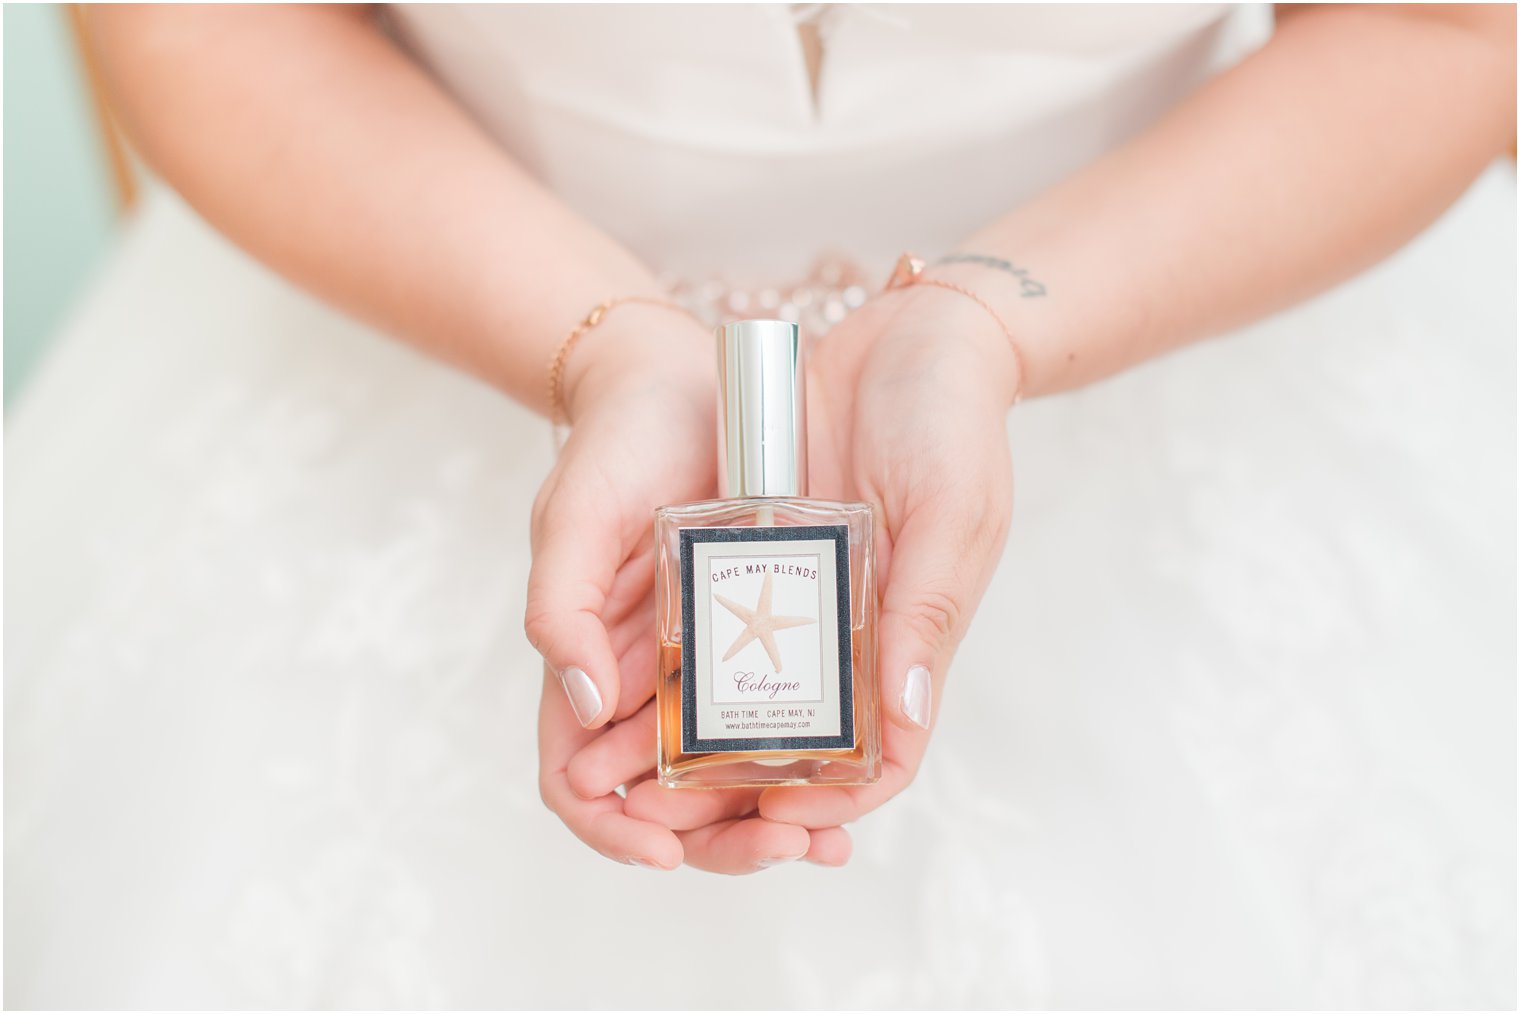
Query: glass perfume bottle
[766, 600]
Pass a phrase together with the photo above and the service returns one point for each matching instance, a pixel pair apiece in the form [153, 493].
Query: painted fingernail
[645, 864]
[778, 861]
[585, 700]
[916, 696]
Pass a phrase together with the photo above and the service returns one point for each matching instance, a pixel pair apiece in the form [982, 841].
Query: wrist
[1054, 334]
[940, 316]
[654, 347]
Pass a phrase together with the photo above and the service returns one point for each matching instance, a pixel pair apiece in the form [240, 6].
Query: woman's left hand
[908, 408]
[908, 401]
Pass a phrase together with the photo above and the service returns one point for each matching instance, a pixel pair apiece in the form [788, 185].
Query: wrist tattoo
[1028, 286]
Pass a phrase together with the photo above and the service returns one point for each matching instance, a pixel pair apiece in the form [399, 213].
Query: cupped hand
[908, 402]
[643, 435]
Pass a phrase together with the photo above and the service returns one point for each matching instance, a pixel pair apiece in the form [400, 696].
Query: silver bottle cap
[762, 424]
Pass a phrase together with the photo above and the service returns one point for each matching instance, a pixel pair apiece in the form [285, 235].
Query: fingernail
[585, 700]
[917, 698]
[645, 864]
[778, 861]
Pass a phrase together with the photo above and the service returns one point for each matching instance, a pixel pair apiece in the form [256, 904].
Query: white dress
[1235, 725]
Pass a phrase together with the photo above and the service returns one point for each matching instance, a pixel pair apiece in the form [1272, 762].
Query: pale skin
[305, 136]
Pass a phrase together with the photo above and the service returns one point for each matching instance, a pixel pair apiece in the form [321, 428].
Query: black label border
[840, 535]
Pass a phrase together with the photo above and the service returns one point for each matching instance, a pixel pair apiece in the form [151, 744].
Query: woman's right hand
[640, 393]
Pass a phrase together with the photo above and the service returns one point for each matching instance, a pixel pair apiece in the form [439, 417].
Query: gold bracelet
[557, 409]
[910, 271]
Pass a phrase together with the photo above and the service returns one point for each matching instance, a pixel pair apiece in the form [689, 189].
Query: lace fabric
[1233, 724]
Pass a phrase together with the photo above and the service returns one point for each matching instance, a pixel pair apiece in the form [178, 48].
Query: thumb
[940, 566]
[575, 559]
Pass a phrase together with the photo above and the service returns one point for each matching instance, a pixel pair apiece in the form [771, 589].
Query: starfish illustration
[759, 623]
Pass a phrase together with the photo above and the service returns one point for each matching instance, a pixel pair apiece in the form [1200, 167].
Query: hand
[642, 407]
[908, 401]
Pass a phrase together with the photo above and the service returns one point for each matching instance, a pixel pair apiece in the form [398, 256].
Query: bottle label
[766, 663]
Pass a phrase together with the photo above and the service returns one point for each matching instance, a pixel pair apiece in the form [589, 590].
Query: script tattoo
[1029, 286]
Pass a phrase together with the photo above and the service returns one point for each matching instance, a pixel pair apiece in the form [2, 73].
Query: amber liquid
[736, 768]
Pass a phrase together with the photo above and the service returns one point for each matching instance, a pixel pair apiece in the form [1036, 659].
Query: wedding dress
[1234, 725]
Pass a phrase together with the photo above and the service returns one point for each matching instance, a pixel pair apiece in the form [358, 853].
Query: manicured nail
[917, 697]
[585, 700]
[778, 861]
[645, 864]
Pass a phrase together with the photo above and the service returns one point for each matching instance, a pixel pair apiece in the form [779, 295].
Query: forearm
[307, 138]
[1337, 142]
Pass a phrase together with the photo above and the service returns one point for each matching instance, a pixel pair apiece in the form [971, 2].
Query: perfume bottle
[766, 600]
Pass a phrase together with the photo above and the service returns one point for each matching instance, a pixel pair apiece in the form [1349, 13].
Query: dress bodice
[695, 135]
